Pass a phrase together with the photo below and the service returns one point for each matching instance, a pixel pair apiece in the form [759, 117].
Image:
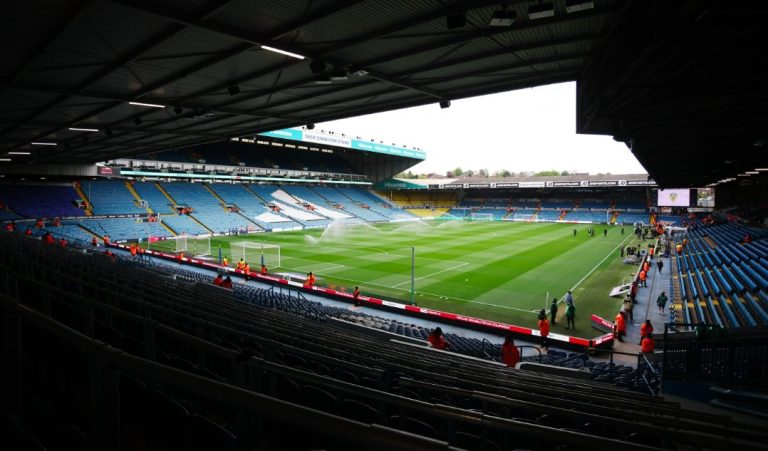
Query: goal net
[481, 217]
[252, 253]
[193, 245]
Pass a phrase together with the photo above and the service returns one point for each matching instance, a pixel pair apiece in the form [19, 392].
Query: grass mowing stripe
[495, 270]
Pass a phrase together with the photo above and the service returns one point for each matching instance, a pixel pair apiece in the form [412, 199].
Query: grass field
[494, 270]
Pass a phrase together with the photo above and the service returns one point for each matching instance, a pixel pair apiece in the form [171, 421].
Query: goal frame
[252, 252]
[198, 246]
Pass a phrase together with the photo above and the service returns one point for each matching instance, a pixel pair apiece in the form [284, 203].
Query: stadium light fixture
[282, 52]
[233, 90]
[573, 6]
[503, 18]
[310, 126]
[149, 105]
[5, 159]
[78, 129]
[19, 153]
[540, 11]
[752, 172]
[761, 169]
[43, 144]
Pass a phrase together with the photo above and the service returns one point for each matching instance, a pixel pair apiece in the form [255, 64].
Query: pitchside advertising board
[308, 136]
[550, 184]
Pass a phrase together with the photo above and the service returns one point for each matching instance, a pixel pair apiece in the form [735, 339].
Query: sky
[524, 130]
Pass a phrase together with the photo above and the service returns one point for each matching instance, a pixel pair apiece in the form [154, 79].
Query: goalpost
[481, 217]
[252, 253]
[197, 246]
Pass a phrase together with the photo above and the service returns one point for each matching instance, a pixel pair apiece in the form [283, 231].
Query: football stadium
[193, 258]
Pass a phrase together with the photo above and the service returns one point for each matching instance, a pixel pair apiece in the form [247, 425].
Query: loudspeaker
[445, 103]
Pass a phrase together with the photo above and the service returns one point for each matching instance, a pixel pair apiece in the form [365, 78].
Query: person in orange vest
[311, 279]
[134, 251]
[28, 232]
[48, 238]
[225, 262]
[218, 280]
[651, 251]
[646, 266]
[240, 264]
[510, 355]
[621, 326]
[105, 238]
[544, 331]
[646, 330]
[263, 269]
[247, 271]
[356, 296]
[642, 276]
[227, 283]
[679, 248]
[647, 344]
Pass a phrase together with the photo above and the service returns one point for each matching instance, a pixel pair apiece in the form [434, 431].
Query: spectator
[553, 310]
[225, 262]
[28, 232]
[436, 339]
[647, 345]
[659, 264]
[263, 269]
[218, 281]
[510, 355]
[311, 279]
[661, 302]
[544, 331]
[570, 316]
[48, 238]
[356, 296]
[227, 283]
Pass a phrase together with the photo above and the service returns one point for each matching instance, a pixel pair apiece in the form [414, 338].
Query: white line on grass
[596, 266]
[331, 268]
[430, 275]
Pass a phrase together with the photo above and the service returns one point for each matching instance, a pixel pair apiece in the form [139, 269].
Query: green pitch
[500, 271]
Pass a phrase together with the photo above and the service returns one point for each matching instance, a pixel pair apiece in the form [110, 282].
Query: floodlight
[540, 11]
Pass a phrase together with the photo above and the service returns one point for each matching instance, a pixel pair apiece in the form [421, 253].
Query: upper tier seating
[110, 197]
[36, 201]
[207, 208]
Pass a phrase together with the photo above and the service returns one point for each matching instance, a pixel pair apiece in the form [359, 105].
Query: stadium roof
[677, 80]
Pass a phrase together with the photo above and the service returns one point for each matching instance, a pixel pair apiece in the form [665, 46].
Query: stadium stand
[206, 208]
[208, 356]
[36, 201]
[109, 197]
[252, 207]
